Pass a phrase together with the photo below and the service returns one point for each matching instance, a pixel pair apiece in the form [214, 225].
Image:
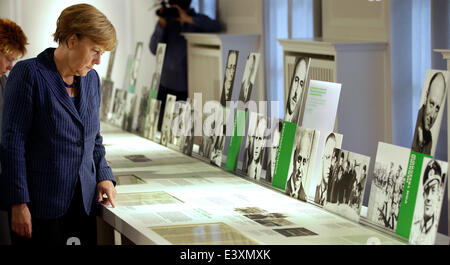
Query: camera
[171, 12]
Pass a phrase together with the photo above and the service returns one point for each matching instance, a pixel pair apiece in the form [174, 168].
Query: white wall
[132, 20]
[356, 19]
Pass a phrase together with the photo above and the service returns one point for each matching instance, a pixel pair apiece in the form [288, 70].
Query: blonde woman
[53, 159]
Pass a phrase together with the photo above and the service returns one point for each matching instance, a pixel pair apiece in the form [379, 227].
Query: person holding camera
[173, 21]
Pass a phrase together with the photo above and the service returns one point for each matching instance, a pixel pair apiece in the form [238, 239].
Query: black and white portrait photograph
[178, 126]
[187, 139]
[218, 145]
[256, 146]
[112, 57]
[272, 149]
[130, 112]
[228, 81]
[346, 188]
[156, 77]
[430, 196]
[135, 66]
[305, 146]
[151, 123]
[251, 129]
[388, 179]
[155, 81]
[107, 99]
[297, 90]
[333, 140]
[430, 113]
[251, 68]
[160, 53]
[142, 110]
[167, 120]
[213, 125]
[118, 109]
[207, 143]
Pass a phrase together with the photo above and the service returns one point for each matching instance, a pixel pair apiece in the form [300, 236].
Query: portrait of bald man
[300, 160]
[424, 141]
[228, 82]
[296, 90]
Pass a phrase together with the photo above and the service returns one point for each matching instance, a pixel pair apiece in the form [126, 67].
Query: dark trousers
[75, 227]
[162, 95]
[4, 229]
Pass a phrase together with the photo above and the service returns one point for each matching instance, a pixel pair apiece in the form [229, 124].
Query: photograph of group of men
[346, 187]
[389, 182]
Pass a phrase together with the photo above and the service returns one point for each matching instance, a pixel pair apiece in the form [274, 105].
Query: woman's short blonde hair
[12, 38]
[84, 20]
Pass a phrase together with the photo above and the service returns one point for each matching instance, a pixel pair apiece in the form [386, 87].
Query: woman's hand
[106, 187]
[21, 220]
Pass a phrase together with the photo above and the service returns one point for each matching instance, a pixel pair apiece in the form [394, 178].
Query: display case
[183, 200]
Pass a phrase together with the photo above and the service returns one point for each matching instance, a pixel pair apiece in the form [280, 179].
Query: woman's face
[6, 62]
[83, 55]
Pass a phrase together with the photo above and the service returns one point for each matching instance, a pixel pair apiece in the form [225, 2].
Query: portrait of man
[297, 90]
[118, 110]
[218, 142]
[426, 215]
[228, 81]
[155, 81]
[257, 149]
[338, 171]
[136, 64]
[107, 93]
[327, 169]
[273, 149]
[152, 119]
[178, 125]
[167, 121]
[207, 139]
[434, 103]
[249, 77]
[253, 118]
[130, 110]
[142, 110]
[299, 163]
[160, 52]
[156, 77]
[188, 137]
[112, 56]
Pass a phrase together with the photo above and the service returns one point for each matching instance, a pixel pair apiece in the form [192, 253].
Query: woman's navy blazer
[47, 144]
